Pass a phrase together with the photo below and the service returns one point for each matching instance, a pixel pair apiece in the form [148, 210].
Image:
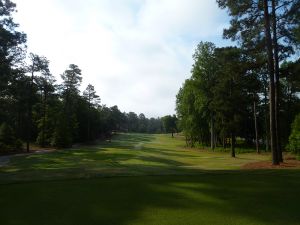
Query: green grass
[145, 179]
[128, 154]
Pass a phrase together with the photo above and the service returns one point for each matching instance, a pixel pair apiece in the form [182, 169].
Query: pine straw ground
[289, 163]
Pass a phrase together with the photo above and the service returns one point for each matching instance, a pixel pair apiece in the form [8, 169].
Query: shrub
[62, 136]
[294, 139]
[8, 140]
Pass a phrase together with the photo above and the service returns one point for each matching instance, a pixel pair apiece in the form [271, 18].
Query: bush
[294, 139]
[6, 134]
[8, 140]
[62, 136]
[18, 145]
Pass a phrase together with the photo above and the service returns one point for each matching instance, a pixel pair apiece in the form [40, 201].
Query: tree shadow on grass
[112, 159]
[207, 197]
[242, 197]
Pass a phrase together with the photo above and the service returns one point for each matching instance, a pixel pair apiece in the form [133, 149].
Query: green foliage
[169, 123]
[218, 95]
[193, 103]
[62, 136]
[90, 95]
[12, 51]
[46, 130]
[142, 124]
[8, 141]
[231, 90]
[294, 139]
[62, 115]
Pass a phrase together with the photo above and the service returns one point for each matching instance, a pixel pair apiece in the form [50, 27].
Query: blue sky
[137, 53]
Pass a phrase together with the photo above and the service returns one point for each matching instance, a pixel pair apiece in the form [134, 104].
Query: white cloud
[136, 53]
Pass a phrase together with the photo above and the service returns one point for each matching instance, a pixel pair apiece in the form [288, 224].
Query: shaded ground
[287, 164]
[4, 160]
[230, 198]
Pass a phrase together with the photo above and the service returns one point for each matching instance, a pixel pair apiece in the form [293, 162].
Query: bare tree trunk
[276, 80]
[212, 135]
[232, 145]
[216, 140]
[267, 134]
[89, 122]
[266, 119]
[275, 160]
[44, 119]
[255, 125]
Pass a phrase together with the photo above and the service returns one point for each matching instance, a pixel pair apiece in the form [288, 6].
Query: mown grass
[121, 183]
[127, 154]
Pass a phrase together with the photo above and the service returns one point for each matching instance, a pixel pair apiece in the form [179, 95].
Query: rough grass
[122, 185]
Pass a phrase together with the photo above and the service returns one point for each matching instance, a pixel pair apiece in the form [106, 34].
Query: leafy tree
[154, 125]
[46, 114]
[254, 26]
[12, 44]
[93, 100]
[116, 118]
[204, 72]
[294, 139]
[230, 91]
[194, 102]
[133, 122]
[12, 51]
[62, 136]
[70, 95]
[38, 64]
[35, 108]
[290, 102]
[192, 113]
[143, 123]
[169, 123]
[48, 100]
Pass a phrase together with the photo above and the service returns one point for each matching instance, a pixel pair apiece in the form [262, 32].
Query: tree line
[34, 108]
[250, 91]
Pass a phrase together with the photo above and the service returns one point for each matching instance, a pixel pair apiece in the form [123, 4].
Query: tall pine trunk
[44, 117]
[266, 118]
[276, 80]
[255, 126]
[89, 121]
[273, 141]
[29, 114]
[212, 135]
[232, 145]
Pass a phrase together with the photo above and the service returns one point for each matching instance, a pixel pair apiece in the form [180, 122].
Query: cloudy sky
[137, 53]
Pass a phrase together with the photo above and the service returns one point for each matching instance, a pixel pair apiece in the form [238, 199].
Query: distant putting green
[145, 179]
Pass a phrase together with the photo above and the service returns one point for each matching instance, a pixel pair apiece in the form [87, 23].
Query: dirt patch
[287, 164]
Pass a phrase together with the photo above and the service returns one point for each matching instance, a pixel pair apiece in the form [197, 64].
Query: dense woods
[34, 108]
[249, 92]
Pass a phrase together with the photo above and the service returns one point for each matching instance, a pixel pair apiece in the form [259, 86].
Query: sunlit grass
[127, 154]
[121, 183]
